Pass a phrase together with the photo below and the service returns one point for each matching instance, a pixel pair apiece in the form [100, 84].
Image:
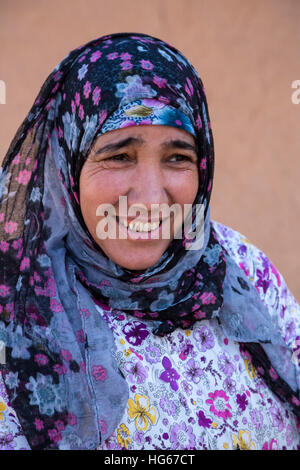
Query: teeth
[140, 227]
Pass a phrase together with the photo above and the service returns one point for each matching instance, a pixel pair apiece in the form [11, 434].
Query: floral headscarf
[60, 373]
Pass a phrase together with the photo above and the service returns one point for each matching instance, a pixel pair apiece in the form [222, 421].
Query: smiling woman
[130, 339]
[149, 165]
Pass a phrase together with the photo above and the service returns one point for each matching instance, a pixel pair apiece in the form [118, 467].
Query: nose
[148, 186]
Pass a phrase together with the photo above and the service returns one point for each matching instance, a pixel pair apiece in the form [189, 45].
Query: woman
[133, 340]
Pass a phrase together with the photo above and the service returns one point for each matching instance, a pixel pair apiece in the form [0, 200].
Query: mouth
[138, 230]
[139, 225]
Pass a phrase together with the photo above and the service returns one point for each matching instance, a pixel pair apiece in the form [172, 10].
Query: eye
[118, 158]
[180, 158]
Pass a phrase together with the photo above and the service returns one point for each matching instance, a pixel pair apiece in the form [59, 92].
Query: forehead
[146, 134]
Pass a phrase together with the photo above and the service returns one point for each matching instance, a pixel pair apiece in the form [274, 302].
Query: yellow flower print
[250, 369]
[243, 441]
[141, 412]
[123, 436]
[2, 408]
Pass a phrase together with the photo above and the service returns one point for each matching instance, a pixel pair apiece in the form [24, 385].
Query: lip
[136, 219]
[126, 233]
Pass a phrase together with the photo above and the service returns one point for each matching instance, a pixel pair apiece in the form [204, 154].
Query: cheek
[95, 190]
[185, 187]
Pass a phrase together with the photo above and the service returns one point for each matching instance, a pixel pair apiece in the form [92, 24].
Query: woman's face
[148, 166]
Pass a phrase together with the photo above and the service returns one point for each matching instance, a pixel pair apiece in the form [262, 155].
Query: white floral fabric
[193, 389]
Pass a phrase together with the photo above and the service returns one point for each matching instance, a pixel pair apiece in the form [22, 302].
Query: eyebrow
[120, 144]
[171, 144]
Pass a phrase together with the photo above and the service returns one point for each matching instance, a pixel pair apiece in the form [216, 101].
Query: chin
[137, 264]
[139, 260]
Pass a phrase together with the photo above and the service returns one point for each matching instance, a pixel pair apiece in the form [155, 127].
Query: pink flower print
[112, 56]
[80, 336]
[189, 87]
[81, 112]
[85, 312]
[199, 315]
[87, 89]
[17, 159]
[160, 82]
[72, 420]
[95, 56]
[2, 217]
[126, 65]
[273, 445]
[60, 425]
[96, 95]
[77, 98]
[23, 177]
[146, 64]
[125, 56]
[55, 306]
[60, 369]
[4, 290]
[73, 106]
[4, 246]
[41, 359]
[203, 164]
[273, 373]
[39, 424]
[99, 373]
[219, 407]
[25, 263]
[10, 227]
[169, 375]
[10, 307]
[17, 244]
[54, 435]
[66, 355]
[208, 298]
[57, 76]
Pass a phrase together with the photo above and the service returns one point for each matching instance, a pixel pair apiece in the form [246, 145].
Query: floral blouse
[193, 389]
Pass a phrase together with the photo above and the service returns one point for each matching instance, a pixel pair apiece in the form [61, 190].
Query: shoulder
[267, 280]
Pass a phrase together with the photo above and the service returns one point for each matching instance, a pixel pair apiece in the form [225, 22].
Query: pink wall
[246, 51]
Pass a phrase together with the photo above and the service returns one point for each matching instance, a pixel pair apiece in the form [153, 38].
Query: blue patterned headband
[147, 112]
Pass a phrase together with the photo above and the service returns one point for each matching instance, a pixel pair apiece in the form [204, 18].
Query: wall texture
[247, 53]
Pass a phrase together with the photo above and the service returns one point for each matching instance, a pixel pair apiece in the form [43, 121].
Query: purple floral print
[135, 333]
[170, 375]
